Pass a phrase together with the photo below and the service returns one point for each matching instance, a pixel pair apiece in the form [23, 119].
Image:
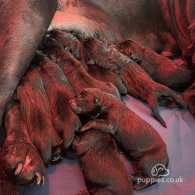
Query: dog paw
[23, 161]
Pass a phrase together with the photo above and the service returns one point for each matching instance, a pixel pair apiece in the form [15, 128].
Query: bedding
[66, 178]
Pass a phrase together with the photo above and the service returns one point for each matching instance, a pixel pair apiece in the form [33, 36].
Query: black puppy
[37, 114]
[160, 68]
[20, 157]
[59, 92]
[102, 168]
[137, 81]
[137, 138]
[74, 70]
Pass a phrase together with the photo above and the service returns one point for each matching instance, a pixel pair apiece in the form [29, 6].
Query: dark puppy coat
[136, 80]
[137, 138]
[20, 157]
[37, 114]
[161, 69]
[75, 71]
[59, 92]
[102, 168]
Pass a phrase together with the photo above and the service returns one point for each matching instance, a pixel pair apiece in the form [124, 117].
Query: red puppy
[137, 138]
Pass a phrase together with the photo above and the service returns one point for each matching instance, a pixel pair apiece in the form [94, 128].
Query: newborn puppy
[136, 80]
[189, 97]
[37, 114]
[160, 68]
[74, 70]
[59, 92]
[103, 74]
[19, 156]
[102, 168]
[69, 42]
[137, 138]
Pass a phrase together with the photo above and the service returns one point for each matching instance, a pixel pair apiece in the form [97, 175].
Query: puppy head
[132, 49]
[88, 101]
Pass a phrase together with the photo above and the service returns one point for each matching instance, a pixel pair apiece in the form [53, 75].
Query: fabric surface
[66, 178]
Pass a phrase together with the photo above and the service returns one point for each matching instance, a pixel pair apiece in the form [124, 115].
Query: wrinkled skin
[103, 170]
[74, 70]
[160, 69]
[59, 92]
[137, 81]
[37, 114]
[139, 140]
[20, 157]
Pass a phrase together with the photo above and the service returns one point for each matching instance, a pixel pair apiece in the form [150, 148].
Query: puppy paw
[22, 160]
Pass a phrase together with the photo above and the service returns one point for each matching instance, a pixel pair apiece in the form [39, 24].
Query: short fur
[59, 92]
[103, 170]
[137, 138]
[161, 69]
[37, 114]
[20, 157]
[137, 81]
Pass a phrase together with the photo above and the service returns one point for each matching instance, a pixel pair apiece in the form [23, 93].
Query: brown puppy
[103, 74]
[137, 81]
[19, 156]
[102, 168]
[74, 70]
[160, 68]
[189, 97]
[59, 92]
[137, 138]
[76, 48]
[36, 111]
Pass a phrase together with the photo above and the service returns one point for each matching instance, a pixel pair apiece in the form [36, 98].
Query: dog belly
[115, 23]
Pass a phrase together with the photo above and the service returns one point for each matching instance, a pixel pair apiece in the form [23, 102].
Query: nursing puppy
[37, 114]
[137, 81]
[19, 156]
[102, 168]
[59, 92]
[160, 68]
[103, 74]
[74, 70]
[137, 138]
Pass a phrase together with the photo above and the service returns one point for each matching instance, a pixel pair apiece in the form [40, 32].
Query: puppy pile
[70, 99]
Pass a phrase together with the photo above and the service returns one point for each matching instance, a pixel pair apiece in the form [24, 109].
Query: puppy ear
[97, 101]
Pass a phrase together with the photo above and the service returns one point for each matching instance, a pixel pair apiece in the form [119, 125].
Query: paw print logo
[160, 170]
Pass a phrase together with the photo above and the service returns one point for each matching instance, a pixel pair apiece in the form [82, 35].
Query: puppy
[19, 156]
[102, 168]
[189, 97]
[137, 138]
[59, 92]
[161, 69]
[136, 80]
[103, 74]
[74, 70]
[37, 114]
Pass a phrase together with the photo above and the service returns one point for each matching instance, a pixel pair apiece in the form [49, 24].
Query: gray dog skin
[59, 92]
[103, 170]
[137, 138]
[160, 68]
